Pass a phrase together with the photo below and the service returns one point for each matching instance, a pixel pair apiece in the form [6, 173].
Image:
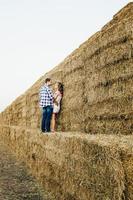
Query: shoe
[43, 132]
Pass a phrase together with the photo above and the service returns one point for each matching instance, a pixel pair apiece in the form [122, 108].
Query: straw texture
[73, 165]
[91, 155]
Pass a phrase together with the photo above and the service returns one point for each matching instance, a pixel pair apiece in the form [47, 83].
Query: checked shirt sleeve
[50, 93]
[46, 96]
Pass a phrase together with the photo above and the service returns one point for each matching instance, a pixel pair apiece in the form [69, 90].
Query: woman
[57, 102]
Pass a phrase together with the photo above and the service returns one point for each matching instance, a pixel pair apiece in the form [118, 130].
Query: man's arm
[50, 93]
[41, 92]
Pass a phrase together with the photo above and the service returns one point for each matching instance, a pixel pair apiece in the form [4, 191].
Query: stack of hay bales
[97, 80]
[110, 76]
[73, 99]
[15, 114]
[98, 100]
[74, 165]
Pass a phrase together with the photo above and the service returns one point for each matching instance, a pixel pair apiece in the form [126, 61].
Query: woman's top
[57, 101]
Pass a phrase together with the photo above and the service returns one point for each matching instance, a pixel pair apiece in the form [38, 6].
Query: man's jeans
[46, 118]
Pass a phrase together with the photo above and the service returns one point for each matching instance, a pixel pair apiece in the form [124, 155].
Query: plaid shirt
[46, 96]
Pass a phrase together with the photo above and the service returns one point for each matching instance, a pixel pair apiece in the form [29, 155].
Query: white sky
[36, 35]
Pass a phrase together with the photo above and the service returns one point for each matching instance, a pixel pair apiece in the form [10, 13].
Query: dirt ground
[15, 181]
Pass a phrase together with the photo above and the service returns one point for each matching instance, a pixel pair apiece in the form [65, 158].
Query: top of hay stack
[123, 14]
[95, 77]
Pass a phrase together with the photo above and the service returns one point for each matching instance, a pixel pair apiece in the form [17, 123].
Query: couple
[50, 104]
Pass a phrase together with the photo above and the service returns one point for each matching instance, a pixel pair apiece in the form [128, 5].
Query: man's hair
[47, 80]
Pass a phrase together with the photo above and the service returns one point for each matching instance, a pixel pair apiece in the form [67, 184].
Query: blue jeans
[46, 118]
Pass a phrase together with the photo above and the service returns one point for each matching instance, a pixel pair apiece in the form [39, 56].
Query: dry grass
[98, 99]
[75, 165]
[97, 80]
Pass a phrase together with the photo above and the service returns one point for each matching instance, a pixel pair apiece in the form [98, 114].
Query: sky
[36, 35]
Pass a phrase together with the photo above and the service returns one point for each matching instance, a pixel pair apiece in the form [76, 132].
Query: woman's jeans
[46, 118]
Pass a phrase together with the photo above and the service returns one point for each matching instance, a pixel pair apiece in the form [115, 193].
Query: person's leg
[48, 119]
[44, 116]
[53, 122]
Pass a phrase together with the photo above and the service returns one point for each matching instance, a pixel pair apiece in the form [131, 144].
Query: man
[46, 102]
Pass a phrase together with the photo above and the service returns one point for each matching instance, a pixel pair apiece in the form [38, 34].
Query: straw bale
[74, 66]
[108, 56]
[109, 125]
[118, 88]
[98, 99]
[119, 106]
[115, 35]
[123, 14]
[73, 78]
[76, 165]
[110, 73]
[68, 121]
[127, 159]
[96, 72]
[113, 55]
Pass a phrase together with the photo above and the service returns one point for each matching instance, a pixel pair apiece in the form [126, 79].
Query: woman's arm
[57, 99]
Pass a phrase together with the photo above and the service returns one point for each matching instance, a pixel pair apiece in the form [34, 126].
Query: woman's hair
[60, 87]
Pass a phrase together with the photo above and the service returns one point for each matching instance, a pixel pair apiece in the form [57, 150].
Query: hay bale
[112, 125]
[98, 99]
[124, 13]
[127, 158]
[126, 151]
[120, 108]
[76, 165]
[98, 71]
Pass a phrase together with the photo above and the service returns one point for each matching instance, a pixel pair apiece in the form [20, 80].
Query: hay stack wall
[98, 99]
[76, 166]
[98, 78]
